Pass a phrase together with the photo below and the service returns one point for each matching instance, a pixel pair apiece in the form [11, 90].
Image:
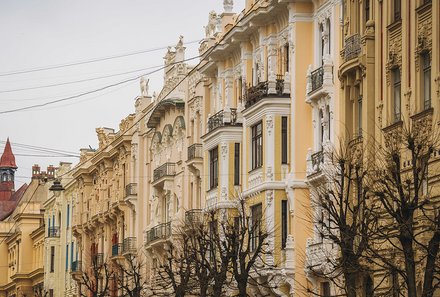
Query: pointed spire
[8, 158]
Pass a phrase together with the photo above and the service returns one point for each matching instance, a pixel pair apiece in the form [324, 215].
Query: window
[325, 289]
[367, 10]
[397, 7]
[237, 164]
[256, 215]
[257, 146]
[283, 140]
[50, 292]
[283, 223]
[426, 60]
[213, 168]
[52, 259]
[71, 254]
[286, 58]
[360, 115]
[396, 94]
[67, 257]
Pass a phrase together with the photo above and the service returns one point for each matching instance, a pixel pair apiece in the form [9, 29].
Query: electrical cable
[44, 68]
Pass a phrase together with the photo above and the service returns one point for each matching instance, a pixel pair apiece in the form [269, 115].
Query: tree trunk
[433, 249]
[242, 289]
[410, 267]
[350, 283]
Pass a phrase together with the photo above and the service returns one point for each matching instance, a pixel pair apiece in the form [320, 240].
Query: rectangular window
[50, 292]
[426, 81]
[367, 10]
[71, 253]
[52, 259]
[325, 289]
[213, 168]
[256, 216]
[257, 145]
[360, 115]
[48, 226]
[284, 140]
[68, 216]
[286, 59]
[396, 94]
[237, 164]
[67, 257]
[283, 223]
[397, 6]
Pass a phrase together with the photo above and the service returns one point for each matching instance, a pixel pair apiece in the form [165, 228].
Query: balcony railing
[167, 169]
[352, 47]
[98, 259]
[219, 120]
[161, 231]
[129, 245]
[116, 249]
[54, 231]
[193, 216]
[131, 189]
[255, 94]
[76, 266]
[317, 161]
[317, 77]
[195, 151]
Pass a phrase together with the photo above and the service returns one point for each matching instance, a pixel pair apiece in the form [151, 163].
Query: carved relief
[224, 150]
[394, 55]
[269, 124]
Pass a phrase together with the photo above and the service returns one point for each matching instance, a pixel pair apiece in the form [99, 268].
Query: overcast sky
[38, 34]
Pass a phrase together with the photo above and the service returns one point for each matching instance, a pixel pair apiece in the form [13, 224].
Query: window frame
[397, 94]
[257, 145]
[256, 211]
[284, 223]
[213, 168]
[426, 80]
[236, 164]
[284, 140]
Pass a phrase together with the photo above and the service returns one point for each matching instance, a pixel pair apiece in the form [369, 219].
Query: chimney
[50, 172]
[36, 171]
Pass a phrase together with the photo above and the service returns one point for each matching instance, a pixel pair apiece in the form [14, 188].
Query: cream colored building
[60, 245]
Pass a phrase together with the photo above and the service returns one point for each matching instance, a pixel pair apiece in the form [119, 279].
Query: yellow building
[22, 240]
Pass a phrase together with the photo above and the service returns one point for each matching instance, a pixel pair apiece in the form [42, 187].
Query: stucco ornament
[224, 150]
[269, 124]
[144, 87]
[228, 5]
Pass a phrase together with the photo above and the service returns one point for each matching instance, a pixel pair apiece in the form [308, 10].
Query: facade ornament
[224, 150]
[228, 5]
[224, 194]
[269, 124]
[144, 87]
[269, 198]
[269, 173]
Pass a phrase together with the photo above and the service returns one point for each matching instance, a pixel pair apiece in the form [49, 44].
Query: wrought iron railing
[167, 169]
[116, 249]
[255, 94]
[217, 120]
[160, 231]
[317, 77]
[193, 216]
[129, 245]
[54, 231]
[317, 161]
[355, 140]
[195, 151]
[352, 47]
[131, 189]
[76, 266]
[98, 259]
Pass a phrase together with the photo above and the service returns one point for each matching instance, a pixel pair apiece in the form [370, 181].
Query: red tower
[7, 173]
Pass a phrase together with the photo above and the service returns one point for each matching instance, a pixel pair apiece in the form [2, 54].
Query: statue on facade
[228, 5]
[144, 87]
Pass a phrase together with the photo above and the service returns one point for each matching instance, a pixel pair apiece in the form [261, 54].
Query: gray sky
[35, 34]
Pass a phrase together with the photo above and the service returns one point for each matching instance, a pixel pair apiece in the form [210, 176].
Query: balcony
[352, 47]
[129, 245]
[194, 217]
[317, 161]
[131, 192]
[98, 259]
[116, 249]
[53, 232]
[315, 165]
[76, 266]
[319, 255]
[317, 78]
[161, 231]
[276, 86]
[195, 151]
[167, 169]
[223, 118]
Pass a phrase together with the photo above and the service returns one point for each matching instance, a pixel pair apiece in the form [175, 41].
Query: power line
[77, 81]
[44, 68]
[93, 91]
[40, 148]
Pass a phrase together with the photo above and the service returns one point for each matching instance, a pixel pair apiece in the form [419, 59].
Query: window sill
[424, 7]
[422, 114]
[395, 24]
[255, 169]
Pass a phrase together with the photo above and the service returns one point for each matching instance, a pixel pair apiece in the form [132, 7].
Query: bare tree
[129, 275]
[176, 267]
[343, 216]
[39, 291]
[95, 280]
[409, 240]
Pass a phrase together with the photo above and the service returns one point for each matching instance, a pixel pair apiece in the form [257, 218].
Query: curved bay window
[257, 145]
